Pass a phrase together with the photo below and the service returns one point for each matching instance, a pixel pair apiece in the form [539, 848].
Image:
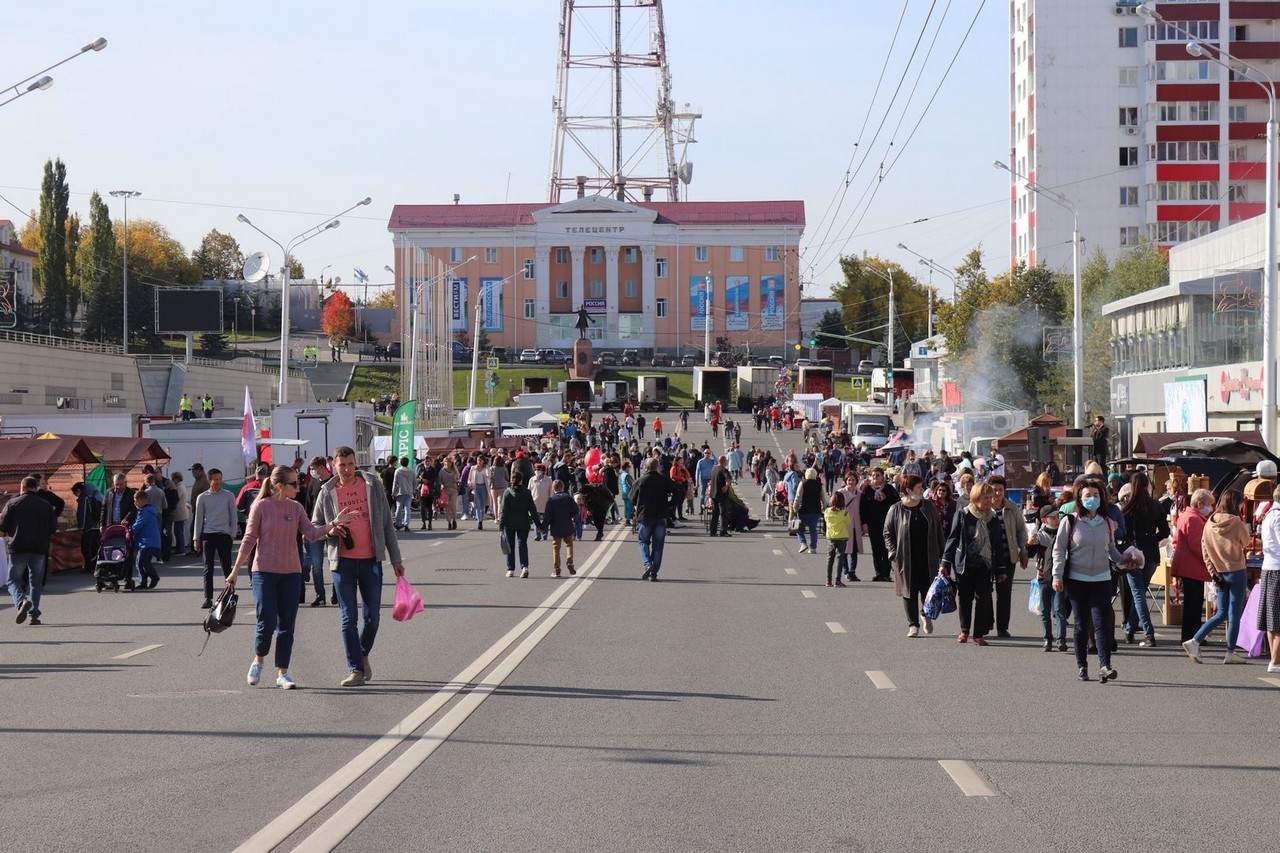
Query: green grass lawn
[373, 380]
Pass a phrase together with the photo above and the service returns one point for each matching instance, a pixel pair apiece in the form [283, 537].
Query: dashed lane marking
[1274, 682]
[880, 680]
[967, 779]
[836, 628]
[789, 570]
[808, 593]
[136, 652]
[777, 552]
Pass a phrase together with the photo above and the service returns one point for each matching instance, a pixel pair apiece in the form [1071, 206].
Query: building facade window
[562, 289]
[1128, 196]
[1128, 116]
[629, 255]
[1239, 112]
[530, 309]
[530, 271]
[597, 255]
[660, 306]
[699, 253]
[630, 326]
[1183, 30]
[1179, 232]
[562, 255]
[735, 254]
[1237, 192]
[490, 255]
[1129, 235]
[1239, 32]
[1128, 75]
[660, 267]
[1183, 152]
[1184, 70]
[1183, 191]
[597, 289]
[1128, 37]
[1238, 153]
[771, 253]
[630, 289]
[563, 327]
[455, 256]
[1129, 156]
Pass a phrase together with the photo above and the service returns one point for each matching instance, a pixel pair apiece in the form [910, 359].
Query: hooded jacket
[1225, 538]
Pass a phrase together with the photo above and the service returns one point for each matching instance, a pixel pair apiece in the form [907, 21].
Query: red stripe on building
[1246, 171]
[1187, 132]
[1244, 130]
[1187, 91]
[1244, 90]
[1244, 210]
[1186, 171]
[1190, 11]
[1186, 212]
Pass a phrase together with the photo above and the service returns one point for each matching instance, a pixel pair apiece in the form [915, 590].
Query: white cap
[1266, 470]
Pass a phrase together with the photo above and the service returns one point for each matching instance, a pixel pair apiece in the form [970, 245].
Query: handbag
[221, 616]
[504, 544]
[408, 602]
[941, 598]
[793, 525]
[1035, 597]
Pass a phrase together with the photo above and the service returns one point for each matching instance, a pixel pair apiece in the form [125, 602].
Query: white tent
[543, 418]
[381, 448]
[809, 404]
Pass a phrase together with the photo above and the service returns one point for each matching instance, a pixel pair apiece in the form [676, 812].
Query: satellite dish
[256, 266]
[685, 172]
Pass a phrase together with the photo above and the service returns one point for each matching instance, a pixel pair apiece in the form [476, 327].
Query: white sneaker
[524, 573]
[1193, 650]
[255, 673]
[804, 549]
[1232, 656]
[511, 573]
[913, 631]
[928, 625]
[1273, 667]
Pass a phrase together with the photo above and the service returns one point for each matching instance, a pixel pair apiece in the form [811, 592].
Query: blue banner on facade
[701, 290]
[491, 304]
[458, 305]
[737, 303]
[773, 303]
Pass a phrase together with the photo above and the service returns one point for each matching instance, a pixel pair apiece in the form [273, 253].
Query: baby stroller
[115, 563]
[779, 507]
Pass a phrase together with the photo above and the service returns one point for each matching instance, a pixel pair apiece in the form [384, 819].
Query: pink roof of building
[787, 213]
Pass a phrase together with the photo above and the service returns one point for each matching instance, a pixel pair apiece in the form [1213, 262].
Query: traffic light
[888, 374]
[798, 347]
[813, 339]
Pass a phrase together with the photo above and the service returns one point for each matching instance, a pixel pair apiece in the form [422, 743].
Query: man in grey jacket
[355, 556]
[1015, 535]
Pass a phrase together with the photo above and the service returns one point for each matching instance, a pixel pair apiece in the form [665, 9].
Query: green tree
[218, 256]
[213, 346]
[75, 293]
[832, 329]
[956, 317]
[156, 259]
[51, 263]
[99, 267]
[296, 272]
[385, 299]
[864, 298]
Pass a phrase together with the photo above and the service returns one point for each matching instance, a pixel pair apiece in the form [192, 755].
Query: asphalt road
[738, 705]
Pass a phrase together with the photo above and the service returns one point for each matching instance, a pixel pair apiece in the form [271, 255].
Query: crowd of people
[926, 517]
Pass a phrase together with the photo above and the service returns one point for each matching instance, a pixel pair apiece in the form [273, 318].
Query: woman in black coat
[977, 553]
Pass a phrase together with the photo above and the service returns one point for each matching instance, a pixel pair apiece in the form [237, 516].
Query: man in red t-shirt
[355, 556]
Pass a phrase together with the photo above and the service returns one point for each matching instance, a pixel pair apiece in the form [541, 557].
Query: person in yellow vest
[206, 405]
[184, 407]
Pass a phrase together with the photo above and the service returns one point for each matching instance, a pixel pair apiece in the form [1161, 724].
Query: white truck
[614, 394]
[212, 443]
[325, 426]
[974, 431]
[551, 402]
[755, 383]
[869, 423]
[652, 393]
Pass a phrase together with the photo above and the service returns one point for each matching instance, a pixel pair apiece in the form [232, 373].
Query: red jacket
[1188, 552]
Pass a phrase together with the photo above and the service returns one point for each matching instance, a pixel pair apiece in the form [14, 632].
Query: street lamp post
[235, 328]
[1198, 49]
[888, 276]
[314, 231]
[936, 267]
[1077, 298]
[706, 322]
[41, 80]
[126, 195]
[39, 85]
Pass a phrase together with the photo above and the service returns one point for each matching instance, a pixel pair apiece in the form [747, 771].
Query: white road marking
[880, 680]
[768, 536]
[836, 628]
[789, 571]
[1274, 682]
[136, 652]
[435, 544]
[967, 779]
[331, 833]
[777, 552]
[808, 593]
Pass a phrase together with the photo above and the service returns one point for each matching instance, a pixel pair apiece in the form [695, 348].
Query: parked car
[608, 359]
[661, 359]
[776, 361]
[824, 362]
[552, 356]
[631, 357]
[529, 356]
[689, 361]
[804, 362]
[461, 353]
[865, 366]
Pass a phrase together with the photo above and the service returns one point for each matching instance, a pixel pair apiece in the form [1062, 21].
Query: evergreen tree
[52, 258]
[99, 267]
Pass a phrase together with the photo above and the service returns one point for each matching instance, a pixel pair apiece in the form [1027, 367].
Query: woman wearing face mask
[1225, 538]
[976, 552]
[913, 538]
[1083, 552]
[1188, 560]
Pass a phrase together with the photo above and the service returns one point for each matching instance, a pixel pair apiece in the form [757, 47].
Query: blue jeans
[1231, 600]
[315, 550]
[481, 503]
[275, 596]
[651, 535]
[1140, 615]
[26, 579]
[404, 510]
[146, 571]
[181, 545]
[810, 522]
[1051, 608]
[517, 539]
[365, 575]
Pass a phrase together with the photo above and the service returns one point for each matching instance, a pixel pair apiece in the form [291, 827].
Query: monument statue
[584, 320]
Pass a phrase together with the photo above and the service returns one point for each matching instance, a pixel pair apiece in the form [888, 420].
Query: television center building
[642, 270]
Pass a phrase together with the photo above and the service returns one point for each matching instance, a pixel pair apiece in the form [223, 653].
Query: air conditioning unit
[1119, 10]
[1132, 10]
[1002, 423]
[1132, 131]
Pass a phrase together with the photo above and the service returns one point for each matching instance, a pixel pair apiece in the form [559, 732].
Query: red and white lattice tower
[613, 52]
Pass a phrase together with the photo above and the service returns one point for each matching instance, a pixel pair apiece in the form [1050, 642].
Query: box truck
[614, 394]
[551, 402]
[325, 426]
[755, 384]
[711, 384]
[816, 380]
[651, 392]
[579, 391]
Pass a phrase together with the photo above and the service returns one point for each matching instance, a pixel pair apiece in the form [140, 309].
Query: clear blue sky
[290, 112]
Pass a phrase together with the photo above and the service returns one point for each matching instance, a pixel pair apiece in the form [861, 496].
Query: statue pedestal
[582, 364]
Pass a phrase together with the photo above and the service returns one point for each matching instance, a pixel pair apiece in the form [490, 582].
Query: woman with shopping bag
[977, 553]
[913, 537]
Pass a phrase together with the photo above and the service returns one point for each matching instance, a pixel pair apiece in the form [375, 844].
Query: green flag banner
[402, 429]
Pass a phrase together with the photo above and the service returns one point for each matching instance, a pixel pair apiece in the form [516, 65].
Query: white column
[576, 286]
[648, 296]
[541, 294]
[611, 296]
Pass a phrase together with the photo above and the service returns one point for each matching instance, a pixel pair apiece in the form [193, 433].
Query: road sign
[491, 363]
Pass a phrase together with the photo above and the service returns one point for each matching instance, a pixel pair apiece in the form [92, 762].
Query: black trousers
[1004, 601]
[879, 554]
[221, 544]
[90, 539]
[719, 516]
[1192, 607]
[973, 589]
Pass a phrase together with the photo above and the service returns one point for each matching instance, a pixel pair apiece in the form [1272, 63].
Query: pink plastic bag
[408, 602]
[1250, 638]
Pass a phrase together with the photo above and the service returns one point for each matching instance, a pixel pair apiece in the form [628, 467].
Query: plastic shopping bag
[1251, 639]
[1035, 598]
[941, 598]
[408, 602]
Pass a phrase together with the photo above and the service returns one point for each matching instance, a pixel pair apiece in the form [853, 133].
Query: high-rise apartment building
[1108, 108]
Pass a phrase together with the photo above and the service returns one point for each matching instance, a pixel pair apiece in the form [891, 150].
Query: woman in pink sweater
[275, 522]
